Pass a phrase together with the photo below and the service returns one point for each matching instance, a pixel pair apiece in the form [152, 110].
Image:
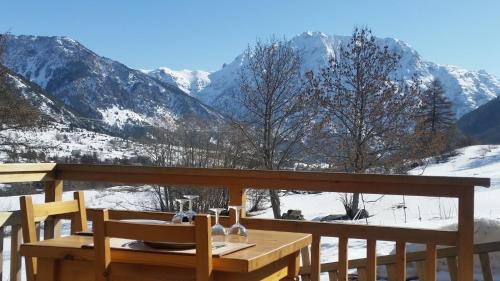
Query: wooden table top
[269, 246]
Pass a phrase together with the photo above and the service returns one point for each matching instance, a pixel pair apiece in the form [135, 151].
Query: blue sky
[205, 34]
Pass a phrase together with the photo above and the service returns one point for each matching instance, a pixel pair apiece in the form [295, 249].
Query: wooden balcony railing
[238, 180]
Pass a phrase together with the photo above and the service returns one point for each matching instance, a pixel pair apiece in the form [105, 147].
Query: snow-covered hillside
[466, 89]
[90, 84]
[57, 141]
[435, 213]
[190, 81]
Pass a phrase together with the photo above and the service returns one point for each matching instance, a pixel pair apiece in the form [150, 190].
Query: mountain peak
[189, 81]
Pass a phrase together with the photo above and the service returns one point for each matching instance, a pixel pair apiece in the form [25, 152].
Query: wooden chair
[104, 228]
[32, 213]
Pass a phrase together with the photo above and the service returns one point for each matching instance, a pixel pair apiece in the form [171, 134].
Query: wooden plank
[371, 257]
[203, 240]
[26, 177]
[83, 172]
[486, 267]
[315, 258]
[181, 233]
[15, 257]
[53, 193]
[343, 259]
[358, 231]
[29, 234]
[263, 183]
[400, 261]
[466, 235]
[452, 267]
[26, 167]
[55, 208]
[128, 214]
[430, 263]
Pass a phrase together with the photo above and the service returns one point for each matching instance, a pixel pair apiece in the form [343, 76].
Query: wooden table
[274, 257]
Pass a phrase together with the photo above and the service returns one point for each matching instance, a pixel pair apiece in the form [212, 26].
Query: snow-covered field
[475, 161]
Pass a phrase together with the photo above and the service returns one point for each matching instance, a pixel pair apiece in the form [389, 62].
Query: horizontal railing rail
[237, 181]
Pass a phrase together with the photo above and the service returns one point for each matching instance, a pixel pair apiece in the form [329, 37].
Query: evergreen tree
[435, 120]
[436, 111]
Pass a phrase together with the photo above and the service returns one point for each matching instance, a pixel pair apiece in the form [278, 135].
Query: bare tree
[367, 113]
[274, 118]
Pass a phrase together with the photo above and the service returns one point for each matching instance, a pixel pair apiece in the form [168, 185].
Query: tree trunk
[275, 203]
[355, 205]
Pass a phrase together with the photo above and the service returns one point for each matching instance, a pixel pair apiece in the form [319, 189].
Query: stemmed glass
[190, 213]
[218, 231]
[237, 233]
[179, 216]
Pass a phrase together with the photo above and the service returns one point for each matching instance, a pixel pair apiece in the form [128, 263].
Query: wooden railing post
[237, 197]
[315, 257]
[343, 258]
[431, 260]
[466, 235]
[400, 261]
[371, 256]
[1, 252]
[53, 192]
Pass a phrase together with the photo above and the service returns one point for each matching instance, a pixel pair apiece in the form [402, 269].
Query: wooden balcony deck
[236, 181]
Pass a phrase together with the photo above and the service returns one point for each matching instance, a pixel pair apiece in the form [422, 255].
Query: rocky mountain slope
[483, 124]
[99, 88]
[49, 107]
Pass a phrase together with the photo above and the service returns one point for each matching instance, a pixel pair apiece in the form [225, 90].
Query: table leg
[293, 267]
[46, 270]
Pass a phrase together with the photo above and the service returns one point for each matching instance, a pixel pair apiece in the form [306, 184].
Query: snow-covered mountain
[96, 87]
[466, 89]
[190, 81]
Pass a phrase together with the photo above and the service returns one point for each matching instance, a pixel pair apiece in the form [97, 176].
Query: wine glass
[218, 231]
[180, 215]
[237, 233]
[190, 213]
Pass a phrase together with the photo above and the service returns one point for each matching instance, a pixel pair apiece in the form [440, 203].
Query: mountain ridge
[100, 88]
[466, 89]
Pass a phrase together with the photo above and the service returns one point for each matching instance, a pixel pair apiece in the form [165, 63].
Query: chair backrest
[33, 213]
[199, 233]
